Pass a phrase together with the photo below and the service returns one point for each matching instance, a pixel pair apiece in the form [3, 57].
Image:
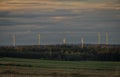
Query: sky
[58, 19]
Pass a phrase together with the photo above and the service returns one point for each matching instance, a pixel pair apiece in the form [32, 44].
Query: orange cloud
[53, 5]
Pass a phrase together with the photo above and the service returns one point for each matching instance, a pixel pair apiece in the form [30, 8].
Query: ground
[17, 67]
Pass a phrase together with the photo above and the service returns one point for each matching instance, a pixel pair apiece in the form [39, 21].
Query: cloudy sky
[58, 19]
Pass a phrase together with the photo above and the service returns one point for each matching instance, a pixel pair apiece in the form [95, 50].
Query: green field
[15, 67]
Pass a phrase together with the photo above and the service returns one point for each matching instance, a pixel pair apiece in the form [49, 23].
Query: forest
[63, 52]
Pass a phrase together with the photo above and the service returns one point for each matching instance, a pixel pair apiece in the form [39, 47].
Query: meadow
[19, 67]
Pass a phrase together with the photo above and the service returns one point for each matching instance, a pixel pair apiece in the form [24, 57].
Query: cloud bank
[55, 16]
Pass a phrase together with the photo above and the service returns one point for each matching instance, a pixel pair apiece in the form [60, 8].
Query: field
[17, 67]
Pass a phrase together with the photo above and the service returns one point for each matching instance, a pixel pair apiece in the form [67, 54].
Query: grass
[50, 68]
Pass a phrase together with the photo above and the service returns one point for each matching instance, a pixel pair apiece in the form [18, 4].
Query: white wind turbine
[99, 37]
[14, 40]
[82, 42]
[64, 41]
[38, 39]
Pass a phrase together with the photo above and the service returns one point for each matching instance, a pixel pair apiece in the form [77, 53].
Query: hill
[63, 52]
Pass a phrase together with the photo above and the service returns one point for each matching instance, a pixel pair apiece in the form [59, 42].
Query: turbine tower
[82, 42]
[99, 36]
[64, 41]
[107, 38]
[14, 40]
[38, 39]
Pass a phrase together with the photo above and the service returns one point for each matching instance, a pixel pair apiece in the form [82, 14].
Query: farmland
[18, 67]
[60, 61]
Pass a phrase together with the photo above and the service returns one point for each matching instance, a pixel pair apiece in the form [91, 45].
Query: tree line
[63, 52]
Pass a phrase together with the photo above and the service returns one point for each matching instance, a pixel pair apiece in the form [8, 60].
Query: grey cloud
[4, 13]
[61, 21]
[11, 18]
[116, 1]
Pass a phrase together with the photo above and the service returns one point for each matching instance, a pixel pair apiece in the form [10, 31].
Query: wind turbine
[107, 38]
[38, 39]
[14, 40]
[99, 36]
[64, 41]
[82, 42]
